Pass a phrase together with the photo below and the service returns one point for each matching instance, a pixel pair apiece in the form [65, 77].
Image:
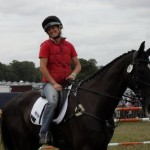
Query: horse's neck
[110, 82]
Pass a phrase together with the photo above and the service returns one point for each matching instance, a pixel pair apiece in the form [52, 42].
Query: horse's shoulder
[33, 92]
[30, 92]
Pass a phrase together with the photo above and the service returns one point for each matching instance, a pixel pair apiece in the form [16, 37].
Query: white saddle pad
[37, 111]
[38, 108]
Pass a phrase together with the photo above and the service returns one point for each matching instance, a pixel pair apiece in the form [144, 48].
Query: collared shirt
[59, 58]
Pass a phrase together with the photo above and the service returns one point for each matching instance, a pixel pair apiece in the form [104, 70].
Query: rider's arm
[77, 65]
[77, 69]
[45, 72]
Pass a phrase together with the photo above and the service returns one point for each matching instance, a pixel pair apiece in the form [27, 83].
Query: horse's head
[141, 75]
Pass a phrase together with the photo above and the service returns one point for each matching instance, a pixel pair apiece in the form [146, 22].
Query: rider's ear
[148, 52]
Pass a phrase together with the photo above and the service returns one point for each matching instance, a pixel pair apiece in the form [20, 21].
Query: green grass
[132, 132]
[1, 147]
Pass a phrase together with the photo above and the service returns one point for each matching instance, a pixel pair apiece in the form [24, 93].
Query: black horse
[90, 126]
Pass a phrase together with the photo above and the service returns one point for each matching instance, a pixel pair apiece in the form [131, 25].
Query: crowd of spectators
[129, 100]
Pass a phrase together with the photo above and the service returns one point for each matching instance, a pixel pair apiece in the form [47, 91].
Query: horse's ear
[142, 47]
[138, 53]
[148, 52]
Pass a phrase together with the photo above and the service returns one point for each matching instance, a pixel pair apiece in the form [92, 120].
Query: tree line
[27, 71]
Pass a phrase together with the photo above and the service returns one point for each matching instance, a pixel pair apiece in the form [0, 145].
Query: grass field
[130, 132]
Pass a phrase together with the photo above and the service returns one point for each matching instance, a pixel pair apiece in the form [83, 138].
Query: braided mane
[108, 65]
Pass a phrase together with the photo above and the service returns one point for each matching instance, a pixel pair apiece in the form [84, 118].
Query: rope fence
[132, 119]
[129, 114]
[128, 143]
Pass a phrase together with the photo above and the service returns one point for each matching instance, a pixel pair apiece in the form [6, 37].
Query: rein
[80, 109]
[136, 78]
[143, 82]
[99, 93]
[141, 60]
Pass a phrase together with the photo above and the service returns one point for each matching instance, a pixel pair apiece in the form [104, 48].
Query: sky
[98, 29]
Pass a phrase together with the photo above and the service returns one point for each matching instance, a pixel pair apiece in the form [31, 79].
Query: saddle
[39, 106]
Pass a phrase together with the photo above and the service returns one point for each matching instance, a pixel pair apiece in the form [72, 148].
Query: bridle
[80, 109]
[135, 76]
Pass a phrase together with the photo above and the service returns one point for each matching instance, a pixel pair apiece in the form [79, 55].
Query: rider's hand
[70, 77]
[57, 86]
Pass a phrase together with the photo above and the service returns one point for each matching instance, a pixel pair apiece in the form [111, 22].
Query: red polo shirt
[59, 59]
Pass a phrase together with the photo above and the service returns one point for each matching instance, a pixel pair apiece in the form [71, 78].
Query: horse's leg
[18, 137]
[91, 141]
[88, 146]
[24, 143]
[19, 134]
[67, 148]
[6, 138]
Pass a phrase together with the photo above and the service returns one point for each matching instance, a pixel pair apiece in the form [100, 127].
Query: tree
[38, 76]
[3, 71]
[24, 70]
[27, 71]
[6, 73]
[88, 68]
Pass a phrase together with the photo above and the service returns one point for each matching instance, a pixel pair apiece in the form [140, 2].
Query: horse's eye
[148, 65]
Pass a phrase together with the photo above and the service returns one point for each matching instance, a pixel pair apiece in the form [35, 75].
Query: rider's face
[54, 31]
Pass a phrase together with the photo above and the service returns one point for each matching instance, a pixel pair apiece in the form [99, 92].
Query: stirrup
[46, 139]
[47, 147]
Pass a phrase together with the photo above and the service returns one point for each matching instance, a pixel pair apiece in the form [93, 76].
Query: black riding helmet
[51, 21]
